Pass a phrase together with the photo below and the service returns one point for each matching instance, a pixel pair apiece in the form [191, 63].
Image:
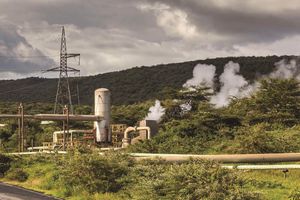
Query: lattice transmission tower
[63, 93]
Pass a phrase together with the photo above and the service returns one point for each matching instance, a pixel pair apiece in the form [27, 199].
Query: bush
[4, 164]
[92, 173]
[196, 179]
[17, 174]
[259, 139]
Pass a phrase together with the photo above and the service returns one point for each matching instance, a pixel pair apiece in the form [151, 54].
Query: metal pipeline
[131, 129]
[126, 140]
[262, 167]
[230, 158]
[56, 117]
[128, 130]
[147, 129]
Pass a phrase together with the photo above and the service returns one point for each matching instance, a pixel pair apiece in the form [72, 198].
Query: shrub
[17, 174]
[196, 179]
[93, 173]
[4, 164]
[258, 139]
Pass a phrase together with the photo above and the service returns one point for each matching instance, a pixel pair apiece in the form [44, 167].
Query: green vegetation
[88, 175]
[265, 122]
[133, 85]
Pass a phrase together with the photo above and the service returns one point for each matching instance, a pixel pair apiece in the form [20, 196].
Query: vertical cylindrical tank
[102, 108]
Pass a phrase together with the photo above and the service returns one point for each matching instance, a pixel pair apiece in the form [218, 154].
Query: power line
[63, 94]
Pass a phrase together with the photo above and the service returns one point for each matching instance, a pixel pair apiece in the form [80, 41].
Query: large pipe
[230, 158]
[102, 108]
[261, 167]
[126, 140]
[56, 117]
[128, 130]
[147, 129]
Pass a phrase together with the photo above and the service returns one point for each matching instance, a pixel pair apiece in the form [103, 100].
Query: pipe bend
[128, 130]
[147, 128]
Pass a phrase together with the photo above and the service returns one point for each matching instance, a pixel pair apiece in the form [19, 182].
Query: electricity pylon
[63, 93]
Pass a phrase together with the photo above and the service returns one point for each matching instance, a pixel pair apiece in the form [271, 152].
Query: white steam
[202, 75]
[186, 107]
[286, 70]
[232, 85]
[155, 112]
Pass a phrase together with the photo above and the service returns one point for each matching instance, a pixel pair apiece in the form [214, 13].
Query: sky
[113, 35]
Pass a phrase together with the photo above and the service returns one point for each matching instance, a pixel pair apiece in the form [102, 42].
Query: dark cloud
[103, 14]
[17, 55]
[240, 23]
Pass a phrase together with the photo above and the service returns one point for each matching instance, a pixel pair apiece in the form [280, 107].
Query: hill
[132, 85]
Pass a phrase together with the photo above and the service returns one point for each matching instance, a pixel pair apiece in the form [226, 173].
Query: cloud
[174, 22]
[242, 22]
[16, 54]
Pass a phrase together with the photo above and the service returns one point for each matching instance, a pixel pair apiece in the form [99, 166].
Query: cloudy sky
[113, 35]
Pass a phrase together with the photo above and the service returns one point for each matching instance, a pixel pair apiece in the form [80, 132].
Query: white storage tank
[102, 108]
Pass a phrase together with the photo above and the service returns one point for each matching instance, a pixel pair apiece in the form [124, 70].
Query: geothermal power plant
[101, 135]
[106, 136]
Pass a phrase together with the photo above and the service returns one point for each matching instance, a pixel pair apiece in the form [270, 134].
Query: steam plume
[202, 74]
[232, 83]
[155, 112]
[286, 70]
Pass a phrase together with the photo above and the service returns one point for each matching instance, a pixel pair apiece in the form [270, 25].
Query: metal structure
[102, 108]
[21, 128]
[101, 120]
[54, 117]
[117, 132]
[63, 93]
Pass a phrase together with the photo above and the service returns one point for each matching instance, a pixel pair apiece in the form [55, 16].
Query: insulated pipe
[56, 117]
[261, 167]
[230, 158]
[128, 130]
[147, 129]
[126, 140]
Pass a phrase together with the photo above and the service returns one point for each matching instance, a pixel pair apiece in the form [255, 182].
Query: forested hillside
[132, 85]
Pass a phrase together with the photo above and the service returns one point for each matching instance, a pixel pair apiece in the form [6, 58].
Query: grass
[271, 184]
[41, 179]
[38, 178]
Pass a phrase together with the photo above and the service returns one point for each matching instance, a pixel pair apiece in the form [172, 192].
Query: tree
[276, 101]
